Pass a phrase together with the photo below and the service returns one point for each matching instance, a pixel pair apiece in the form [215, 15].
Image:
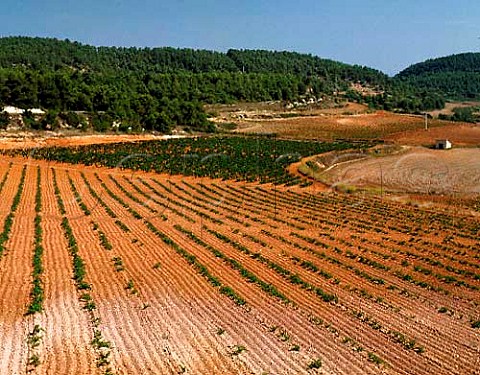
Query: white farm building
[18, 111]
[443, 144]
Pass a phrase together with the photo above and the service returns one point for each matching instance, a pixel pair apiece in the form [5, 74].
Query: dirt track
[299, 242]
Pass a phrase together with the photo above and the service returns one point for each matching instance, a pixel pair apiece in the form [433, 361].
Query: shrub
[238, 349]
[4, 120]
[34, 360]
[372, 357]
[315, 364]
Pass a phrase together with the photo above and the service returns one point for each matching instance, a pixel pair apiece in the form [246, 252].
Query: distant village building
[18, 111]
[12, 110]
[37, 111]
[443, 144]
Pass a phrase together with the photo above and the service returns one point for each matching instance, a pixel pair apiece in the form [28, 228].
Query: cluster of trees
[455, 77]
[463, 114]
[157, 88]
[401, 97]
[67, 90]
[452, 85]
[409, 101]
[106, 98]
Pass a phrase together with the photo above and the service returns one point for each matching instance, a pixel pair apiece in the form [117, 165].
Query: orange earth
[32, 141]
[378, 125]
[459, 134]
[205, 276]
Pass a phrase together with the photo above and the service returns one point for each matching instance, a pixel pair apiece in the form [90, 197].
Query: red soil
[176, 321]
[15, 269]
[459, 134]
[378, 125]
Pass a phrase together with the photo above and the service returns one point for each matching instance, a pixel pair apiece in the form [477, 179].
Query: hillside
[159, 88]
[455, 76]
[52, 54]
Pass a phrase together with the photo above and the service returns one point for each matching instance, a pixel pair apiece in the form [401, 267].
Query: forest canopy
[456, 77]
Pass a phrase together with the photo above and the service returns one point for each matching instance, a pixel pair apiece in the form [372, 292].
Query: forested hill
[52, 54]
[158, 88]
[455, 76]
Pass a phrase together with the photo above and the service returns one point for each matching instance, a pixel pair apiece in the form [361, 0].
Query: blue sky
[385, 34]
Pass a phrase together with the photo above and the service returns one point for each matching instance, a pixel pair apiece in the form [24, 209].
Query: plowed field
[415, 170]
[458, 134]
[145, 273]
[379, 125]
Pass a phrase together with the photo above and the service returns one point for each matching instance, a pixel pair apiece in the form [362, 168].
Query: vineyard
[247, 159]
[112, 271]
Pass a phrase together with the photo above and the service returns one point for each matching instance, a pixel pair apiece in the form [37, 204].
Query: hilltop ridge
[455, 76]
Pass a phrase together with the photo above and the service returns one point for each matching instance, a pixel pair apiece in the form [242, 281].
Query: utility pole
[381, 181]
[426, 121]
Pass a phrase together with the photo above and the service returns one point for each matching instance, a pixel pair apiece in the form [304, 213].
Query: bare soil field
[155, 274]
[415, 170]
[378, 125]
[22, 140]
[459, 134]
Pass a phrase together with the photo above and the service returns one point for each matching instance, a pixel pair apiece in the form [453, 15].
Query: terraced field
[108, 272]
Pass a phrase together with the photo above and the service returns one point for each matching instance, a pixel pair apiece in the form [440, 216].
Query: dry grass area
[378, 125]
[415, 170]
[199, 276]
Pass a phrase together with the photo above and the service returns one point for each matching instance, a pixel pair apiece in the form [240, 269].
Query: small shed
[443, 144]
